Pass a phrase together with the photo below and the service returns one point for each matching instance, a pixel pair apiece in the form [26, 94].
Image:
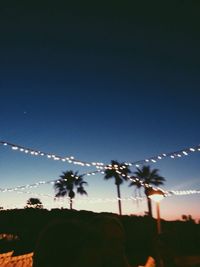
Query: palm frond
[149, 176]
[81, 190]
[66, 183]
[118, 174]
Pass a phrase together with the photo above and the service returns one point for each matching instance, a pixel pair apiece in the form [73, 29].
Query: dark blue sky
[100, 82]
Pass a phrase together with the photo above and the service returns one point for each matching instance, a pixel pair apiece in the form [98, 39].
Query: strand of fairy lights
[131, 178]
[173, 155]
[100, 165]
[34, 185]
[165, 192]
[102, 200]
[35, 152]
[21, 189]
[106, 200]
[33, 193]
[90, 200]
[143, 184]
[183, 192]
[116, 168]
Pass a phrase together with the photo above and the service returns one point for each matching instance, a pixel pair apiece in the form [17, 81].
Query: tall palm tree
[67, 183]
[149, 177]
[119, 172]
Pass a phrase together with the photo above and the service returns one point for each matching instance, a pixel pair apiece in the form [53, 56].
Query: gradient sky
[117, 81]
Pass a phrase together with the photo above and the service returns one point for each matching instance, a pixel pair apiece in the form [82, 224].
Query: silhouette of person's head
[58, 244]
[105, 244]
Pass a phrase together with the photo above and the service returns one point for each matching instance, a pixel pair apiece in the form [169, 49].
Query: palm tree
[149, 177]
[34, 203]
[119, 172]
[136, 182]
[66, 184]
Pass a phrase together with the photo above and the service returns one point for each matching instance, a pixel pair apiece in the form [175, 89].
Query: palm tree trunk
[149, 206]
[70, 202]
[119, 199]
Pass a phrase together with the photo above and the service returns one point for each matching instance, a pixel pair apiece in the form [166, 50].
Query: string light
[106, 200]
[62, 202]
[78, 200]
[35, 152]
[184, 192]
[98, 165]
[22, 188]
[166, 192]
[173, 155]
[33, 185]
[100, 168]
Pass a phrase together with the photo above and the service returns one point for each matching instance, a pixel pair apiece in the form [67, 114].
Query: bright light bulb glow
[156, 197]
[14, 148]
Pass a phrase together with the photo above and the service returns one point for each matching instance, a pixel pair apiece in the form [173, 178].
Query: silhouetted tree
[34, 203]
[184, 217]
[66, 184]
[119, 172]
[187, 218]
[138, 186]
[149, 177]
[190, 219]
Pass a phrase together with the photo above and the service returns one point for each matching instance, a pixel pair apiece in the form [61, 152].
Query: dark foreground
[182, 238]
